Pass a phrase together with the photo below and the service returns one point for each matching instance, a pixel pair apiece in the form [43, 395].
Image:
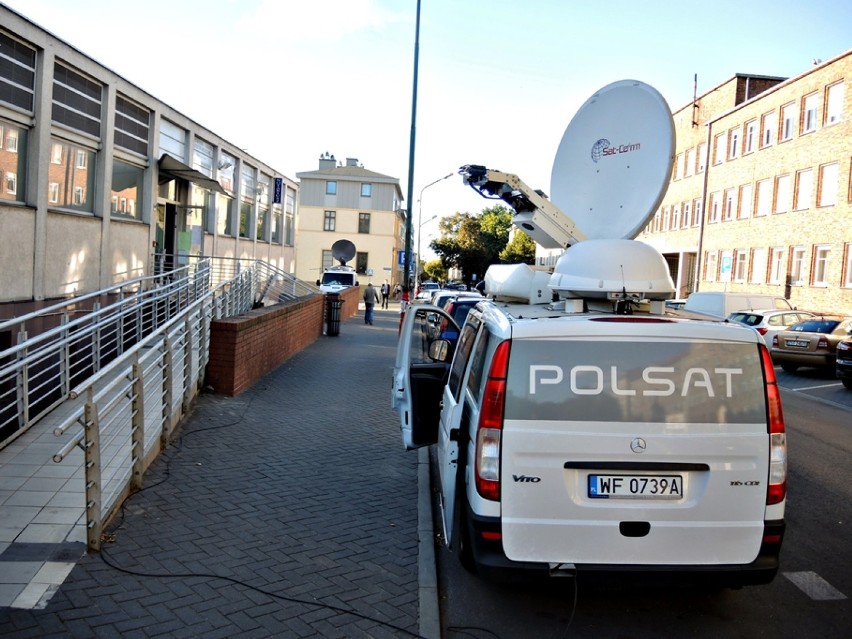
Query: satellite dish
[343, 251]
[615, 159]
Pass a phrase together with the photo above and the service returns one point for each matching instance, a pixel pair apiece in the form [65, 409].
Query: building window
[696, 213]
[690, 162]
[750, 136]
[715, 205]
[53, 192]
[788, 119]
[289, 217]
[809, 108]
[76, 101]
[687, 215]
[361, 263]
[746, 201]
[740, 263]
[55, 153]
[676, 217]
[666, 218]
[131, 126]
[227, 166]
[264, 193]
[331, 187]
[782, 194]
[678, 168]
[363, 222]
[828, 174]
[366, 190]
[276, 233]
[17, 73]
[730, 204]
[834, 103]
[81, 159]
[327, 260]
[75, 185]
[225, 214]
[720, 145]
[804, 189]
[768, 123]
[847, 278]
[330, 221]
[797, 265]
[127, 186]
[711, 266]
[820, 269]
[734, 151]
[764, 197]
[702, 157]
[776, 265]
[758, 266]
[13, 158]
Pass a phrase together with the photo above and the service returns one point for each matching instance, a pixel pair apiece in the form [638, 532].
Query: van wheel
[461, 538]
[789, 368]
[847, 382]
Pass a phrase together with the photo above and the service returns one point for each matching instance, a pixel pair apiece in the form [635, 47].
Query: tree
[435, 270]
[520, 250]
[471, 242]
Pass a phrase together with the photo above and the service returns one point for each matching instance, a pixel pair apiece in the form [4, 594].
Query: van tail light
[777, 490]
[490, 427]
[762, 330]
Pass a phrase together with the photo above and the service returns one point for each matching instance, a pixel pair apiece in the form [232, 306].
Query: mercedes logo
[638, 445]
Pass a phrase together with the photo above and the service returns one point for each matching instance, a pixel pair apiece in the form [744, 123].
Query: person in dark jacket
[370, 299]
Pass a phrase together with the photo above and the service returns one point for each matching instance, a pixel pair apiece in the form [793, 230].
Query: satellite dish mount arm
[537, 216]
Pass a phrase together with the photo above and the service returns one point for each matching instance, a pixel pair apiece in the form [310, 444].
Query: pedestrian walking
[385, 294]
[370, 299]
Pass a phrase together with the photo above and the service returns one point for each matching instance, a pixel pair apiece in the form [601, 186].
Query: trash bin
[332, 313]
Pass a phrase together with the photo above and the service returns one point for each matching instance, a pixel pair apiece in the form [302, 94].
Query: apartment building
[346, 201]
[100, 181]
[760, 198]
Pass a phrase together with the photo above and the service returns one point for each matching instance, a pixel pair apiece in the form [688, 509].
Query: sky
[498, 80]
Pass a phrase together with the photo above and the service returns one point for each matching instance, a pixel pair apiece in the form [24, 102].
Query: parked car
[442, 299]
[769, 322]
[844, 362]
[425, 290]
[812, 342]
[675, 305]
[457, 307]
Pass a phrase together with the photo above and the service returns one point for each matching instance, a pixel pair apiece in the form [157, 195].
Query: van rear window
[628, 381]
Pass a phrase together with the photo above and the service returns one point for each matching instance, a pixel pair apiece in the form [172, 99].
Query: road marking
[804, 388]
[814, 586]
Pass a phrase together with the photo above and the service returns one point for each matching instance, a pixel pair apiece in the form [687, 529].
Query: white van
[336, 278]
[590, 442]
[719, 304]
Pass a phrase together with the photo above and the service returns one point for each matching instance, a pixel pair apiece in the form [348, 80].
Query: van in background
[719, 304]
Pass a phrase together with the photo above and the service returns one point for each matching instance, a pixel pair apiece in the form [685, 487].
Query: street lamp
[418, 262]
[420, 217]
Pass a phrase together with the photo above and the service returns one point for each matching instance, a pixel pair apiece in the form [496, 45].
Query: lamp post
[420, 217]
[418, 262]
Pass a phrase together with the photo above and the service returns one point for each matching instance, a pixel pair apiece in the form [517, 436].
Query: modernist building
[760, 198]
[346, 201]
[97, 177]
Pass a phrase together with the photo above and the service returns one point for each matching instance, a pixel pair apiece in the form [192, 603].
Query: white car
[769, 322]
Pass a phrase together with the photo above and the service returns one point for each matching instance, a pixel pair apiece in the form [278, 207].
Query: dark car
[458, 307]
[812, 342]
[844, 362]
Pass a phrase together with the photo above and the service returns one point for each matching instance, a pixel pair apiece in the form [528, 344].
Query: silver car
[769, 322]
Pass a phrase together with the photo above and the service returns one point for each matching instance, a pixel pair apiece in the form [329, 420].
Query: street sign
[400, 261]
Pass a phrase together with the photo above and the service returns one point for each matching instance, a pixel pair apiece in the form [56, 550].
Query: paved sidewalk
[289, 511]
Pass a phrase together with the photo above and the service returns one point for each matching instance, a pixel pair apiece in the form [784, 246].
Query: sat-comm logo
[603, 148]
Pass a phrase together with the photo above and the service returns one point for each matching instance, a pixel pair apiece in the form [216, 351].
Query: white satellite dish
[615, 160]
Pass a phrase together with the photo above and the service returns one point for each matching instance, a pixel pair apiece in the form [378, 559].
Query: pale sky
[499, 80]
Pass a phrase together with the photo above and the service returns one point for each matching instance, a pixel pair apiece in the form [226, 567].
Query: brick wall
[243, 349]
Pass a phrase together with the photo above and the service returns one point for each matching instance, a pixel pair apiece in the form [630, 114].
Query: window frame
[329, 223]
[820, 267]
[331, 187]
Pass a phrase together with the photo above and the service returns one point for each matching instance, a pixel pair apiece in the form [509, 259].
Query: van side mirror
[440, 350]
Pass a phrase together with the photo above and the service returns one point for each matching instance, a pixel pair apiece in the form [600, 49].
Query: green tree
[435, 271]
[520, 250]
[472, 242]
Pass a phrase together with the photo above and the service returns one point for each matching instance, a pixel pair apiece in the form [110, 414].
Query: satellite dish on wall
[613, 165]
[343, 251]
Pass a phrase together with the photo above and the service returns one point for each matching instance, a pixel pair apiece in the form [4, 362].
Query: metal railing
[73, 340]
[61, 345]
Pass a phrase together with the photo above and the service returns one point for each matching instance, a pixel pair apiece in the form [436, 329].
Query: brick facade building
[760, 198]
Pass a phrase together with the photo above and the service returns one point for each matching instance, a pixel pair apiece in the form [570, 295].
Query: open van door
[419, 375]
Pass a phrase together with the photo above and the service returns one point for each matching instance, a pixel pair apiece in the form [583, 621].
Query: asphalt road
[809, 598]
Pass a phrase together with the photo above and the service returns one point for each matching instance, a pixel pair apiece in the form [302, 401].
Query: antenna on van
[623, 306]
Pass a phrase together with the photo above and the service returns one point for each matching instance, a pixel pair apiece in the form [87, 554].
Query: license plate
[635, 486]
[796, 342]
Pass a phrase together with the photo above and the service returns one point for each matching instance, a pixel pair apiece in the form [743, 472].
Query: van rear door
[628, 450]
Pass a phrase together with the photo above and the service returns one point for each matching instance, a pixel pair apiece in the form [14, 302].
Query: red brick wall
[243, 349]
